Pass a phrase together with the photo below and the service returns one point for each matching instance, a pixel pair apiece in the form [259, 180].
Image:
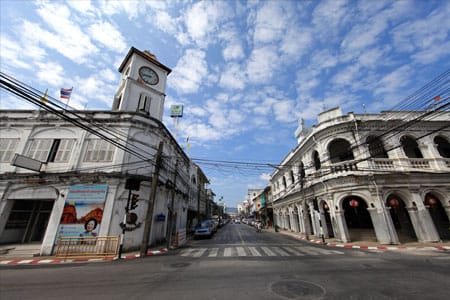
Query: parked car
[205, 229]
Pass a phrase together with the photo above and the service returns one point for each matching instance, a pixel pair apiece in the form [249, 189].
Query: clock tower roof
[146, 55]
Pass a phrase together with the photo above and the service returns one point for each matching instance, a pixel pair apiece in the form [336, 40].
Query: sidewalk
[443, 246]
[38, 260]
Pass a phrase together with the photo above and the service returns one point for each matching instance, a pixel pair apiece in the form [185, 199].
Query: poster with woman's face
[83, 211]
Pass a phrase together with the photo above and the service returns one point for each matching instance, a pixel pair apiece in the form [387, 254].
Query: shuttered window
[7, 149]
[51, 150]
[99, 151]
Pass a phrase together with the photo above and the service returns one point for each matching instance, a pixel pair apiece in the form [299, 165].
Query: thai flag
[65, 93]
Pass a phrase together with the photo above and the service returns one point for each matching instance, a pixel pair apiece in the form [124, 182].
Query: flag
[437, 98]
[44, 98]
[65, 93]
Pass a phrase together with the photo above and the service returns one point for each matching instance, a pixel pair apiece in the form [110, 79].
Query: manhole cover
[297, 289]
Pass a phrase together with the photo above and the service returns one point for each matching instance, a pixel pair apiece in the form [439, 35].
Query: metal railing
[82, 247]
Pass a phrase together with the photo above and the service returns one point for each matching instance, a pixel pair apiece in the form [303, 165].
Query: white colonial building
[368, 177]
[86, 159]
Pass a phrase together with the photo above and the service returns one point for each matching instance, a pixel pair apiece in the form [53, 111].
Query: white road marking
[213, 252]
[268, 251]
[227, 252]
[253, 251]
[241, 251]
[307, 250]
[280, 251]
[293, 250]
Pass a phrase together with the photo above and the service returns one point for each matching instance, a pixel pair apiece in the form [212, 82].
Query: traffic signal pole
[127, 208]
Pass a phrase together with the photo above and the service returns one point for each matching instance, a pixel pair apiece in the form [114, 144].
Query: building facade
[372, 177]
[89, 158]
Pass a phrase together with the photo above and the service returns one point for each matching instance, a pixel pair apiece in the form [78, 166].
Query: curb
[75, 260]
[383, 248]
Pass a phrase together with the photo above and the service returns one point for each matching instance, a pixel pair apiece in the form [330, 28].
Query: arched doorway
[357, 217]
[438, 215]
[329, 225]
[400, 219]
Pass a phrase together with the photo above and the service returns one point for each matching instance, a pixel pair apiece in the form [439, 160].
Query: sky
[245, 71]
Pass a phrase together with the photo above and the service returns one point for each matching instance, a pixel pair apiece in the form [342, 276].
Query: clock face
[148, 75]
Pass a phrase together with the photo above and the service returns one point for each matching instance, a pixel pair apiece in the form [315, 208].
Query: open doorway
[27, 221]
[357, 217]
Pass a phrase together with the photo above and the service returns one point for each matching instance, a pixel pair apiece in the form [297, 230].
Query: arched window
[284, 182]
[443, 146]
[301, 171]
[376, 148]
[340, 150]
[292, 177]
[410, 147]
[316, 159]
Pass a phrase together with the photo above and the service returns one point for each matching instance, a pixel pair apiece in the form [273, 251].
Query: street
[239, 263]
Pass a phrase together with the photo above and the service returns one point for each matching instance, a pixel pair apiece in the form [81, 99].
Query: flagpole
[68, 99]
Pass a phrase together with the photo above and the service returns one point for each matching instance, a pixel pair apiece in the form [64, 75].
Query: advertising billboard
[83, 211]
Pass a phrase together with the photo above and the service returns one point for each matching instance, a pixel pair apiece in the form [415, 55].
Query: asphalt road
[239, 263]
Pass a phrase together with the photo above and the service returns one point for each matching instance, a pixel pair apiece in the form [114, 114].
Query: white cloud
[270, 22]
[66, 37]
[130, 8]
[329, 16]
[265, 176]
[164, 21]
[364, 35]
[296, 41]
[84, 7]
[51, 73]
[262, 64]
[284, 111]
[233, 77]
[204, 18]
[324, 59]
[374, 57]
[432, 54]
[108, 35]
[394, 81]
[12, 55]
[425, 37]
[190, 71]
[347, 76]
[233, 51]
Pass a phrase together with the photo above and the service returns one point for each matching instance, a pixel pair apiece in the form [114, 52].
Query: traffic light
[134, 201]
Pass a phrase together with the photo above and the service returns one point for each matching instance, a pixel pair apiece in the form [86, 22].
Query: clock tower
[142, 85]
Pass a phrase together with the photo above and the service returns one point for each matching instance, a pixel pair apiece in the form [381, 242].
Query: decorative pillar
[383, 226]
[341, 225]
[300, 220]
[422, 222]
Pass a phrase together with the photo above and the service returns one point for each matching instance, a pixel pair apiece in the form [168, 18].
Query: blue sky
[245, 71]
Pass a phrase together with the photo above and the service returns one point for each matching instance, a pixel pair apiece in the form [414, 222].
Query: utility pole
[171, 209]
[151, 204]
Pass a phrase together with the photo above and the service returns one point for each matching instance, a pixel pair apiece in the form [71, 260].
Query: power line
[29, 94]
